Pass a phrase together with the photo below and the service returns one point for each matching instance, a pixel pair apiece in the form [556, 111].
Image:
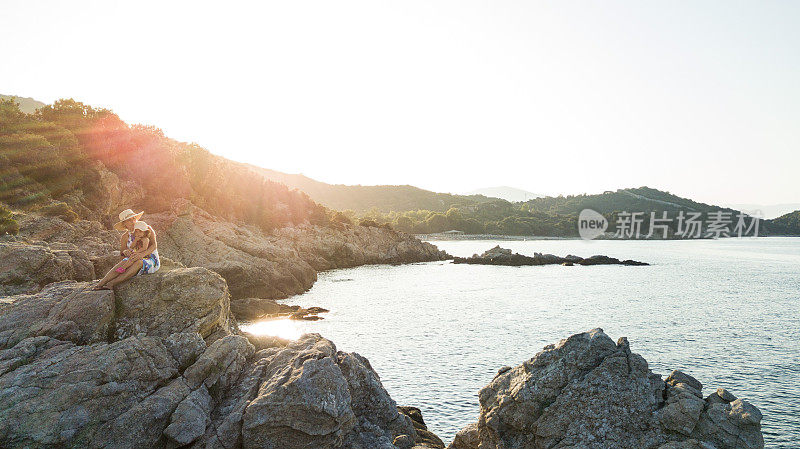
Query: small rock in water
[504, 256]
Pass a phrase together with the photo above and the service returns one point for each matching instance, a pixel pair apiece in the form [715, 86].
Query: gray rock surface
[311, 395]
[466, 438]
[589, 392]
[26, 268]
[66, 311]
[158, 304]
[160, 364]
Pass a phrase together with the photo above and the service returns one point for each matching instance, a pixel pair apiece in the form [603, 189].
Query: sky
[699, 98]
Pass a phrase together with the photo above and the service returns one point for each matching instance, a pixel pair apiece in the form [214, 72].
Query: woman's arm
[123, 245]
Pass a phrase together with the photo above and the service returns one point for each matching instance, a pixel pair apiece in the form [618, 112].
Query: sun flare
[283, 328]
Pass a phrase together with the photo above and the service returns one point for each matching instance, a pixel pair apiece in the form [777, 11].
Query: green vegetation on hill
[70, 159]
[558, 216]
[788, 224]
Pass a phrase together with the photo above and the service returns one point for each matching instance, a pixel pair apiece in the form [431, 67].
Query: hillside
[788, 224]
[26, 104]
[558, 216]
[360, 199]
[74, 161]
[642, 199]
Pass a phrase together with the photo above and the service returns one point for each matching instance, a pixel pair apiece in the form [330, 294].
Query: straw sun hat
[124, 215]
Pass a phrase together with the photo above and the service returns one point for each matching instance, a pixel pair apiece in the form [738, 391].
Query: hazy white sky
[698, 98]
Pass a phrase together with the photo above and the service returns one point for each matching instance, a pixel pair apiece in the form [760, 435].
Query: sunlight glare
[283, 328]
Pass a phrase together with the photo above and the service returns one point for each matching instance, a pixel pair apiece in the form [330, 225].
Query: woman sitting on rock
[138, 249]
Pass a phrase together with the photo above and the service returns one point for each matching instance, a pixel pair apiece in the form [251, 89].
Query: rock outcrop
[261, 308]
[255, 264]
[504, 256]
[160, 364]
[589, 392]
[158, 304]
[26, 268]
[283, 263]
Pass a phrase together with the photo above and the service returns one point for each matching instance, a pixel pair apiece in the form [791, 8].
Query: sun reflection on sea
[283, 328]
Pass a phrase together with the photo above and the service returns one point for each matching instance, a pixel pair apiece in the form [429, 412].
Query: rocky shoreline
[505, 257]
[161, 363]
[256, 265]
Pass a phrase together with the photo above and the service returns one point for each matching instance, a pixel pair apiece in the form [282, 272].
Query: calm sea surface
[725, 311]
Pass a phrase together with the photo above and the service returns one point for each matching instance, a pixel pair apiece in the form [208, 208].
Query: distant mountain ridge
[360, 199]
[26, 104]
[420, 211]
[767, 210]
[506, 193]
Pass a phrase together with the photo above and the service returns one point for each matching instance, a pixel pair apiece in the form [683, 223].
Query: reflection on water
[726, 312]
[283, 328]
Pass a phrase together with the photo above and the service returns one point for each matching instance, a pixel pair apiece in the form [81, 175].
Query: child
[140, 241]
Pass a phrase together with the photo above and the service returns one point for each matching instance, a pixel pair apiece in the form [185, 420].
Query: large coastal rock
[26, 268]
[67, 311]
[160, 364]
[589, 392]
[160, 304]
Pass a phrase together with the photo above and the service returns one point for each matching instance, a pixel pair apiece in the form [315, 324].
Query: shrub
[339, 217]
[59, 209]
[7, 223]
[370, 223]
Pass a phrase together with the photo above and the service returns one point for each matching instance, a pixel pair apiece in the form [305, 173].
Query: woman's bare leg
[129, 273]
[112, 273]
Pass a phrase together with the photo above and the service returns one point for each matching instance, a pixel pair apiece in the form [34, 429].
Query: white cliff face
[589, 392]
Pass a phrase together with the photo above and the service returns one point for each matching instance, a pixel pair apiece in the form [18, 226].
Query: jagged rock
[684, 403]
[497, 251]
[734, 424]
[66, 311]
[185, 347]
[85, 396]
[586, 391]
[306, 394]
[170, 301]
[424, 437]
[146, 390]
[92, 237]
[466, 438]
[191, 417]
[266, 341]
[26, 268]
[254, 308]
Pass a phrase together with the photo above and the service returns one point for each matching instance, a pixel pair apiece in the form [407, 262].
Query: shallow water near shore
[726, 312]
